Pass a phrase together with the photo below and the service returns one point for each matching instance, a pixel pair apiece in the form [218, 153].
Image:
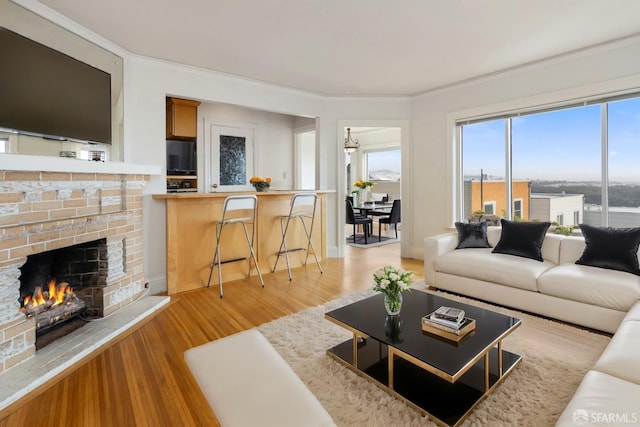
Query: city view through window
[384, 165]
[560, 162]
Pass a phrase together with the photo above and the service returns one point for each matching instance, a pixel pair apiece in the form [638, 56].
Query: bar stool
[230, 216]
[303, 207]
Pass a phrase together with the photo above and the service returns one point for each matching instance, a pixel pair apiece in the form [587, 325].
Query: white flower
[391, 280]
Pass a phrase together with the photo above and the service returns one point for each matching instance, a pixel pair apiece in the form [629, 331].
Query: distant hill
[620, 195]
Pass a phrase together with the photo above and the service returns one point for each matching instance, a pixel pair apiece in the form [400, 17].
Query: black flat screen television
[181, 157]
[47, 93]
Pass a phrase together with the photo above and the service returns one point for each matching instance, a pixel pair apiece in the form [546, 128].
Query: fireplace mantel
[26, 162]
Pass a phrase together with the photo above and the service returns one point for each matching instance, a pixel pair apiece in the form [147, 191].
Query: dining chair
[351, 218]
[393, 218]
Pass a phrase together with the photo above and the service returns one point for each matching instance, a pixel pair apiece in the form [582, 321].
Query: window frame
[365, 160]
[603, 101]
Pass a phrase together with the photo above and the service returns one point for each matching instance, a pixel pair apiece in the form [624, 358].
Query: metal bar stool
[236, 210]
[303, 207]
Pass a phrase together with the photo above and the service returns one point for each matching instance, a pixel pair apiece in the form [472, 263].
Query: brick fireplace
[45, 211]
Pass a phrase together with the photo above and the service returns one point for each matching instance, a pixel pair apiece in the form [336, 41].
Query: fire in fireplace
[55, 304]
[60, 287]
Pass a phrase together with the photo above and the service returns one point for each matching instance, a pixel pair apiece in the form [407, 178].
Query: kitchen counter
[191, 237]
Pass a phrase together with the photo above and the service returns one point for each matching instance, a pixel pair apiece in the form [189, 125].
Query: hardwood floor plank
[142, 380]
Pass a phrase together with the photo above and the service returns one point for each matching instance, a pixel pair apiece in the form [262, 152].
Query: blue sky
[559, 145]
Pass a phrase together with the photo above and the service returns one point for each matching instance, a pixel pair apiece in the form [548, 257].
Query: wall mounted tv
[181, 157]
[47, 93]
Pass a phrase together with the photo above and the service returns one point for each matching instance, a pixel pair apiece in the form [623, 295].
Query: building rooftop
[553, 195]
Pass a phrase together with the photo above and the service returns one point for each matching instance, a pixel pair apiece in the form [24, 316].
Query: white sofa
[556, 287]
[607, 300]
[609, 393]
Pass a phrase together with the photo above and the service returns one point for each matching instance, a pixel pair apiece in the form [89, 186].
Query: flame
[55, 295]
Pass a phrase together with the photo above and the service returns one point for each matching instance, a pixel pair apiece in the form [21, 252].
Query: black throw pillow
[522, 239]
[472, 235]
[611, 248]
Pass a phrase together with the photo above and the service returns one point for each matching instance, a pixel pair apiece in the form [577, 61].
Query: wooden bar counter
[191, 237]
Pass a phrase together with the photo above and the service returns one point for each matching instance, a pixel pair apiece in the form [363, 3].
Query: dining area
[363, 216]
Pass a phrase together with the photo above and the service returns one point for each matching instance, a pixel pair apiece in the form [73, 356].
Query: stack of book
[448, 322]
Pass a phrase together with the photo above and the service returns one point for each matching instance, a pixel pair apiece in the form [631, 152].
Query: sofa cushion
[571, 249]
[606, 288]
[503, 269]
[472, 235]
[600, 395]
[611, 248]
[621, 358]
[523, 239]
[493, 234]
[634, 313]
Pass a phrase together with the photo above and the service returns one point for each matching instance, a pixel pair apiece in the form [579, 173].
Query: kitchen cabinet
[182, 118]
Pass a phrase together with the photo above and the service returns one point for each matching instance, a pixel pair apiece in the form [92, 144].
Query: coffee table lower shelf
[444, 402]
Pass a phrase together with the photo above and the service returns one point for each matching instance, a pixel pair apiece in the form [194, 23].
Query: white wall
[305, 164]
[588, 73]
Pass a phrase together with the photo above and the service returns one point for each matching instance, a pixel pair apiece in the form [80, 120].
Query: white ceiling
[355, 47]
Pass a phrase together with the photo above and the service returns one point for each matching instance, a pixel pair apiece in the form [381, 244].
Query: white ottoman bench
[248, 383]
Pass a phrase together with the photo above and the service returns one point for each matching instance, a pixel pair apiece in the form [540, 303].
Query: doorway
[378, 163]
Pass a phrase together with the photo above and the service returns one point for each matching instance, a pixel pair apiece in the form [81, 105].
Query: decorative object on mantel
[260, 184]
[392, 281]
[96, 156]
[68, 154]
[350, 145]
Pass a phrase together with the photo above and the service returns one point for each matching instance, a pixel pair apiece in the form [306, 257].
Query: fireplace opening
[59, 288]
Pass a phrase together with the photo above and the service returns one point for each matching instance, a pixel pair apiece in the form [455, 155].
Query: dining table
[374, 208]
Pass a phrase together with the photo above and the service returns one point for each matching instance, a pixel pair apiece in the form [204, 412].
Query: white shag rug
[534, 394]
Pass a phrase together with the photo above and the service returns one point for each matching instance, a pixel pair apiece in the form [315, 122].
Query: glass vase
[393, 303]
[367, 194]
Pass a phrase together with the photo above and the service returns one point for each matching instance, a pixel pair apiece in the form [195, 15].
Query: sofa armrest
[434, 246]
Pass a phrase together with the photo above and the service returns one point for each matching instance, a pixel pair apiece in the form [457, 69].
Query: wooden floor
[140, 379]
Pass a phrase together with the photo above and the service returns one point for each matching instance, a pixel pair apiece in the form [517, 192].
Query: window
[489, 208]
[3, 144]
[578, 160]
[517, 208]
[560, 219]
[383, 165]
[483, 166]
[623, 118]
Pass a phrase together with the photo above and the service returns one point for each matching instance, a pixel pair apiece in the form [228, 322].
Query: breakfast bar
[191, 238]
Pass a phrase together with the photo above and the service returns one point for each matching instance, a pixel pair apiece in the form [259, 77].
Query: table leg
[500, 359]
[486, 372]
[355, 350]
[390, 366]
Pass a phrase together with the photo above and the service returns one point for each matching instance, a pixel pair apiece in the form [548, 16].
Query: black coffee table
[442, 379]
